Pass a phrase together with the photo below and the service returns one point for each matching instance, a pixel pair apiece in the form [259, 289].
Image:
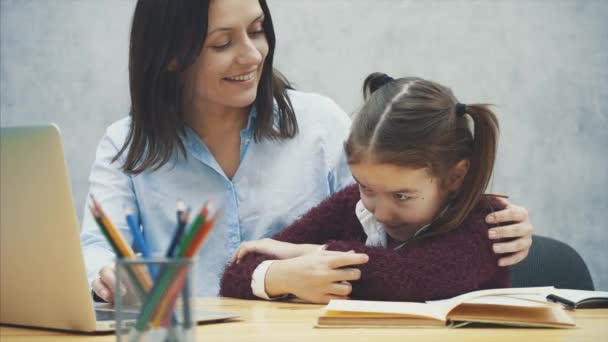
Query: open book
[496, 306]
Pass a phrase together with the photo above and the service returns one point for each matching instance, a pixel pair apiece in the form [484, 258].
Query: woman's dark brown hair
[414, 122]
[166, 37]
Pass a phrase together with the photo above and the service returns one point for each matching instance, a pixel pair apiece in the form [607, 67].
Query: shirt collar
[376, 235]
[195, 145]
[253, 114]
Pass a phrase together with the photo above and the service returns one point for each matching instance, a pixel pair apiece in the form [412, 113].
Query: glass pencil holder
[153, 301]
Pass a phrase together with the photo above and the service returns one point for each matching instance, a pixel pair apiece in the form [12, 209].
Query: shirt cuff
[95, 258]
[258, 280]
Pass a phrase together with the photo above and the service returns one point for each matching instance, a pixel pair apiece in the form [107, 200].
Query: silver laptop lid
[42, 275]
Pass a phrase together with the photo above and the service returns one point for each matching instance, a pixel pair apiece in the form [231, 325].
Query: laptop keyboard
[110, 315]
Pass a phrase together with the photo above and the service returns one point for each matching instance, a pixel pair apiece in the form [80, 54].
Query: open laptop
[43, 280]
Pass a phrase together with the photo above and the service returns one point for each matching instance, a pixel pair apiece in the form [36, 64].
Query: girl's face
[402, 199]
[228, 70]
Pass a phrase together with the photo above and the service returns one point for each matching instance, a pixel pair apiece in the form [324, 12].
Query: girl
[415, 217]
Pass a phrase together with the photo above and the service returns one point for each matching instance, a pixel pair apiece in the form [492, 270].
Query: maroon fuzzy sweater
[434, 267]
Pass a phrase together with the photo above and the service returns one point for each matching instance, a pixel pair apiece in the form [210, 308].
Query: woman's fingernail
[490, 219]
[496, 249]
[492, 234]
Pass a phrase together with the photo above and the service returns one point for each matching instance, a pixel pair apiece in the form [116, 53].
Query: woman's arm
[114, 190]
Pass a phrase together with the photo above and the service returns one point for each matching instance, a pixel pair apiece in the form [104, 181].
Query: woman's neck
[216, 121]
[219, 127]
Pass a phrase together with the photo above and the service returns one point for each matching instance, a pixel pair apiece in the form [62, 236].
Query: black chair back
[552, 263]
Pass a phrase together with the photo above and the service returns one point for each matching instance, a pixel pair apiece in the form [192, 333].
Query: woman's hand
[280, 249]
[315, 277]
[104, 285]
[521, 229]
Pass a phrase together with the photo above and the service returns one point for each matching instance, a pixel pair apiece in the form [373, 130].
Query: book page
[506, 300]
[447, 305]
[401, 308]
[433, 309]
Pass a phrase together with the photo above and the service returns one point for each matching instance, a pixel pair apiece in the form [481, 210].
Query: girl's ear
[457, 174]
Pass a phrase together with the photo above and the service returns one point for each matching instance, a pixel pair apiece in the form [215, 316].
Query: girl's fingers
[345, 274]
[340, 289]
[346, 259]
[234, 258]
[241, 254]
[327, 298]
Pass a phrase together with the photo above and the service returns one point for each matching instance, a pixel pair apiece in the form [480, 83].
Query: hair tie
[384, 79]
[461, 109]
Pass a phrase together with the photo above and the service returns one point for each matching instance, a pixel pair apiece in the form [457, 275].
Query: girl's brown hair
[167, 32]
[414, 122]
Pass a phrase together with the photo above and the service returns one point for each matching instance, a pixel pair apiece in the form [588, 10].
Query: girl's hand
[280, 249]
[315, 277]
[521, 229]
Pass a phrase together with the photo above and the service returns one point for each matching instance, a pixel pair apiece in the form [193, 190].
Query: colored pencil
[134, 278]
[140, 242]
[124, 250]
[196, 235]
[179, 231]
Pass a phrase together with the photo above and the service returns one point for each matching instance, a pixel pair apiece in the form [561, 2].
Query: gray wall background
[543, 62]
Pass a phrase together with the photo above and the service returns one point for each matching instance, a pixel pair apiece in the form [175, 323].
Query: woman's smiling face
[228, 70]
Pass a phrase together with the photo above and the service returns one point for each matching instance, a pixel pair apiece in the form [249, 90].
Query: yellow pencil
[125, 250]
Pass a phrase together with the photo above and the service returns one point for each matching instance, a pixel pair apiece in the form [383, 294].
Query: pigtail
[483, 156]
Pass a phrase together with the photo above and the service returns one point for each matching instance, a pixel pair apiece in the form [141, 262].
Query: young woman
[416, 218]
[212, 120]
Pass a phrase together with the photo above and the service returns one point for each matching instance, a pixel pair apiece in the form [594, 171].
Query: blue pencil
[139, 239]
[182, 220]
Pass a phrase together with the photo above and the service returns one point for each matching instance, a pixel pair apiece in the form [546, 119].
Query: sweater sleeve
[431, 268]
[332, 219]
[322, 223]
[236, 280]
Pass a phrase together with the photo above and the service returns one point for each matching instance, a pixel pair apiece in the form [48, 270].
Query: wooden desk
[291, 322]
